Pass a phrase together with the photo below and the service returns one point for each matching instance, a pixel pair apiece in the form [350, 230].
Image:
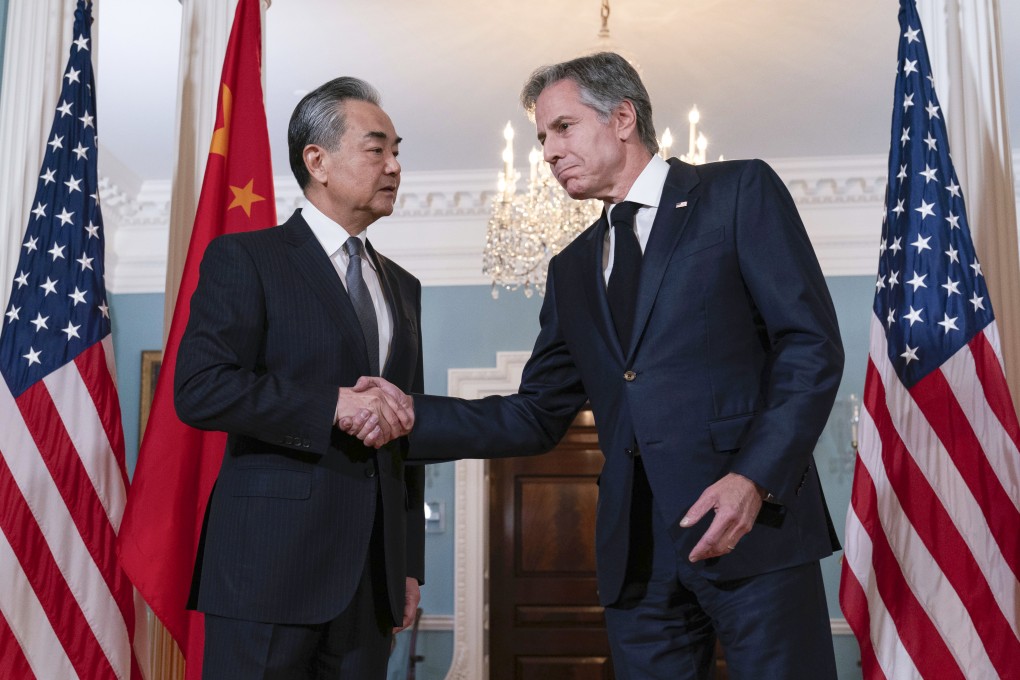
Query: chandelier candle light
[526, 230]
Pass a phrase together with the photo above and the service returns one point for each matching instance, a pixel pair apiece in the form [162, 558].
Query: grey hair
[605, 80]
[319, 118]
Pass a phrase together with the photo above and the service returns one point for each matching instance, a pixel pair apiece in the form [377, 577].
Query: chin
[576, 193]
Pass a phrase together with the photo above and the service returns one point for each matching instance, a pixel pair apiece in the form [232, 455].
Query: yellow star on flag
[245, 197]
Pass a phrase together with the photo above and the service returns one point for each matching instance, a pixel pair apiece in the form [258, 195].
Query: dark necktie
[623, 281]
[362, 301]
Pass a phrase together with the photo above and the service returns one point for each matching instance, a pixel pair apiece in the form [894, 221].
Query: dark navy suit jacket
[734, 366]
[272, 335]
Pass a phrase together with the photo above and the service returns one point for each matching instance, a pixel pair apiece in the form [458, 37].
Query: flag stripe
[997, 398]
[966, 585]
[82, 392]
[76, 409]
[852, 593]
[900, 560]
[940, 408]
[13, 663]
[929, 454]
[100, 378]
[73, 485]
[28, 633]
[58, 494]
[59, 603]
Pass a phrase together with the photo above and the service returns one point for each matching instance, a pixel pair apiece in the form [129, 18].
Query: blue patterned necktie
[362, 301]
[623, 281]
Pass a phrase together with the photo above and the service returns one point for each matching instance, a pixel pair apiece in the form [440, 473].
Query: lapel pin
[682, 204]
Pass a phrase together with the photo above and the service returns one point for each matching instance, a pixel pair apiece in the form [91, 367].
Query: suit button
[629, 451]
[370, 471]
[629, 376]
[288, 440]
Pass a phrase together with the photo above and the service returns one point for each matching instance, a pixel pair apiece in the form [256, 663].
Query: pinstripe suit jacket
[271, 336]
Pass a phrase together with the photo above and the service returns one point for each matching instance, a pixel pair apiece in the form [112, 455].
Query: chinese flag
[177, 465]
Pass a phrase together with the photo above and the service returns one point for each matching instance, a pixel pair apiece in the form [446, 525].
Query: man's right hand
[373, 414]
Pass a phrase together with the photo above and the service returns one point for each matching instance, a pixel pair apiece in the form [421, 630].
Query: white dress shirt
[647, 190]
[331, 237]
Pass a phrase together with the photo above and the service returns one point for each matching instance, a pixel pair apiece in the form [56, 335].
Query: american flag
[930, 572]
[68, 611]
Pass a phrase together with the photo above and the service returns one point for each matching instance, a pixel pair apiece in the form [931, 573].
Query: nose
[551, 151]
[392, 165]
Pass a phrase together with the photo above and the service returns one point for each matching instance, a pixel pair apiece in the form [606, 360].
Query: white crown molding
[437, 231]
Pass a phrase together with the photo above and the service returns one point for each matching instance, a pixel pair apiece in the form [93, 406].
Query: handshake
[375, 411]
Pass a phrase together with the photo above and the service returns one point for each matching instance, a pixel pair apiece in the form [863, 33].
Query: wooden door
[545, 622]
[544, 619]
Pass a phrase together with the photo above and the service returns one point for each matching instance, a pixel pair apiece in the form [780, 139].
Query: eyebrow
[378, 134]
[554, 123]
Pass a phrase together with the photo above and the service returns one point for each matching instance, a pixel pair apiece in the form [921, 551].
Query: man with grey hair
[313, 546]
[694, 317]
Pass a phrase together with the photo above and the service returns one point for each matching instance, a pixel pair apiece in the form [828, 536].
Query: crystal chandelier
[527, 229]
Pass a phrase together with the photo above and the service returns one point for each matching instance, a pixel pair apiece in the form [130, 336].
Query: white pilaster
[205, 28]
[38, 38]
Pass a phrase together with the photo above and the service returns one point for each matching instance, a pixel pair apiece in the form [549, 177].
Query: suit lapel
[595, 285]
[311, 261]
[675, 208]
[390, 288]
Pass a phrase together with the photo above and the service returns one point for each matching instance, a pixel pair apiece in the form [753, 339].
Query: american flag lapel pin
[682, 204]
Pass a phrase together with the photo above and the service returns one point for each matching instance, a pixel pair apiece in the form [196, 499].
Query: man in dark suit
[313, 545]
[695, 319]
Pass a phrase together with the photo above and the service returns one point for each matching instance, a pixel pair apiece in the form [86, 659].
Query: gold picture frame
[152, 359]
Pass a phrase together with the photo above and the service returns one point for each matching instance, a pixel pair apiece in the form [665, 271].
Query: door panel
[545, 622]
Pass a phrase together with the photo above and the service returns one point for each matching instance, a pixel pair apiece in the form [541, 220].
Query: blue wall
[463, 327]
[137, 326]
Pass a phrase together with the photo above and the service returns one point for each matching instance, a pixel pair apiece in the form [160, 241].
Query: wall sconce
[435, 517]
[855, 418]
[841, 436]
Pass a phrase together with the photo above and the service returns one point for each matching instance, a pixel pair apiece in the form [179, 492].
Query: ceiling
[772, 78]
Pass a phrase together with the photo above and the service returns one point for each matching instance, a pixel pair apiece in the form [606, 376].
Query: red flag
[177, 465]
[66, 607]
[931, 572]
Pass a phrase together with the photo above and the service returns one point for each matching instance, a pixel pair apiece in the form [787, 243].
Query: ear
[625, 119]
[315, 158]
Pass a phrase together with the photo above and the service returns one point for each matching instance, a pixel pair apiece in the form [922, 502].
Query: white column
[964, 42]
[205, 28]
[38, 38]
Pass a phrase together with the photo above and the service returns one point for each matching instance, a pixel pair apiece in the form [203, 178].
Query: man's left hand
[412, 596]
[736, 501]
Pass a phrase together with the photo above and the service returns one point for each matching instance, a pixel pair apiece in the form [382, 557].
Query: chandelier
[527, 229]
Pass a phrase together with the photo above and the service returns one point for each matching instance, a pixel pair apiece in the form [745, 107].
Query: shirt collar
[330, 235]
[647, 188]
